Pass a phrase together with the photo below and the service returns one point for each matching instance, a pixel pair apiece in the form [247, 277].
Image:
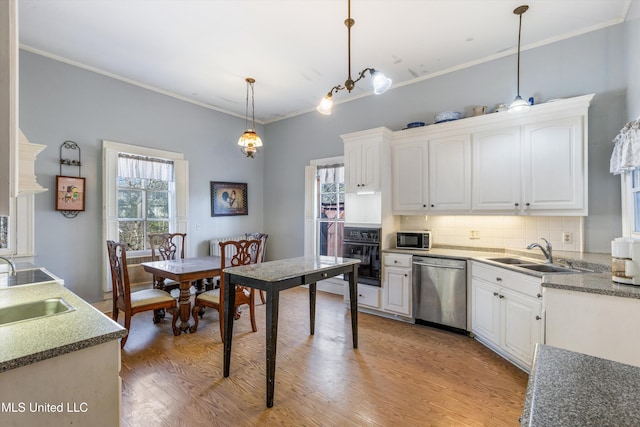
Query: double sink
[543, 268]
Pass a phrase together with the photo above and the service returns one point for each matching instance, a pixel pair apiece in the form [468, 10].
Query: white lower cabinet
[506, 312]
[396, 287]
[368, 296]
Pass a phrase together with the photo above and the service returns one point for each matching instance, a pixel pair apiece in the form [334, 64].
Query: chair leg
[127, 326]
[252, 315]
[262, 298]
[195, 311]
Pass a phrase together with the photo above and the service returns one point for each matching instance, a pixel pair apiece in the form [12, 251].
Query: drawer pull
[538, 317]
[501, 296]
[324, 274]
[495, 294]
[498, 279]
[539, 295]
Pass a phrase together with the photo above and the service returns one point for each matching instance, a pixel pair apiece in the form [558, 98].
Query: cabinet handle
[433, 206]
[424, 206]
[517, 204]
[324, 275]
[527, 204]
[539, 295]
[538, 317]
[360, 295]
[495, 294]
[395, 261]
[501, 296]
[406, 275]
[498, 279]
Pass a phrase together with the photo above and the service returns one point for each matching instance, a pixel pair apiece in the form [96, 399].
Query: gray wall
[59, 102]
[591, 63]
[632, 37]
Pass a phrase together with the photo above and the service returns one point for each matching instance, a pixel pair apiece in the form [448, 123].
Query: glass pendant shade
[325, 105]
[250, 141]
[519, 105]
[380, 82]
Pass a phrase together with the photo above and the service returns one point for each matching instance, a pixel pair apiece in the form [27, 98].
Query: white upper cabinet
[496, 170]
[450, 173]
[362, 158]
[410, 178]
[554, 166]
[532, 163]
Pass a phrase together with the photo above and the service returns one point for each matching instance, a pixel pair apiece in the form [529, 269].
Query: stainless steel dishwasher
[440, 292]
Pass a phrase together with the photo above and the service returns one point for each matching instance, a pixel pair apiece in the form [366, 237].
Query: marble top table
[275, 276]
[185, 271]
[573, 389]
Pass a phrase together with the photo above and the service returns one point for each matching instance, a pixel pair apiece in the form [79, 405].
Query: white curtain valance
[626, 149]
[331, 174]
[132, 166]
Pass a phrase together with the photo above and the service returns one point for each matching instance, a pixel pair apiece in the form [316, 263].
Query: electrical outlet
[567, 237]
[474, 234]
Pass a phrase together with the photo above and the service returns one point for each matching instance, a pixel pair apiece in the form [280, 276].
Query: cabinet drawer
[368, 295]
[518, 282]
[397, 260]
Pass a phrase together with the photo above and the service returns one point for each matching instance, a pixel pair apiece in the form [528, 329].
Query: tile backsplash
[4, 232]
[500, 231]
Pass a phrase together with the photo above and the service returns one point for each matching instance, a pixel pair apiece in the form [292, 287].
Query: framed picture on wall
[70, 193]
[229, 198]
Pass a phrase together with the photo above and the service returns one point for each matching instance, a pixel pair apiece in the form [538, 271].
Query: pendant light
[519, 105]
[380, 82]
[250, 141]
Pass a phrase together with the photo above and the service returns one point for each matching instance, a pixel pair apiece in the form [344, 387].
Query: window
[324, 207]
[144, 190]
[145, 199]
[631, 203]
[330, 214]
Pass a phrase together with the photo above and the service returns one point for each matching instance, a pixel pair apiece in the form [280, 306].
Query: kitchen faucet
[11, 264]
[547, 252]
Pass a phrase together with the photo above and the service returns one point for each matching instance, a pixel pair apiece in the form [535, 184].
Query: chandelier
[519, 105]
[379, 81]
[250, 141]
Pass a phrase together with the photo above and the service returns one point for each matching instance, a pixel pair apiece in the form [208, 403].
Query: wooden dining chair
[135, 302]
[165, 246]
[263, 249]
[246, 253]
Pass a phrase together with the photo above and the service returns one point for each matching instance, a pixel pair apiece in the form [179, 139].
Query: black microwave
[413, 240]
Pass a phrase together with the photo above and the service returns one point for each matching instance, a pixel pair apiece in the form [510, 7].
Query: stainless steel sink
[34, 310]
[549, 268]
[507, 260]
[25, 277]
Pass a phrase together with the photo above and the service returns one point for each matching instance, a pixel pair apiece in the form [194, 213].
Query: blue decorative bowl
[447, 116]
[415, 124]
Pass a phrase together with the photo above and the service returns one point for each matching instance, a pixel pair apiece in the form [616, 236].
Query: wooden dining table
[273, 277]
[185, 271]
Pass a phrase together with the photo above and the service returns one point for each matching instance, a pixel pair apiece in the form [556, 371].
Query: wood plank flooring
[401, 374]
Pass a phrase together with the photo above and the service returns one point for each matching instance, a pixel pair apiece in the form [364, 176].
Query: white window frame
[335, 284]
[110, 150]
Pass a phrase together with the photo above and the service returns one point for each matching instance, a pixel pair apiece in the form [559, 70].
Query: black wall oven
[363, 244]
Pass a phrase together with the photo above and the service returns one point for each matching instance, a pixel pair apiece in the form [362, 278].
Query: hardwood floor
[401, 374]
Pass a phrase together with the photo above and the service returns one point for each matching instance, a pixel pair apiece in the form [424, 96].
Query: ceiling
[202, 50]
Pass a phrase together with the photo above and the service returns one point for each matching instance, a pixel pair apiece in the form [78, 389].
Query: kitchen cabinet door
[485, 310]
[554, 166]
[496, 170]
[522, 325]
[410, 183]
[397, 290]
[362, 161]
[450, 173]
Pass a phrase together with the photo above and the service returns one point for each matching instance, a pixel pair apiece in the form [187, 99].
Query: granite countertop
[274, 271]
[31, 341]
[573, 389]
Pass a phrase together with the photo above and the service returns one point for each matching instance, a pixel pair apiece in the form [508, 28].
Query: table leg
[184, 305]
[228, 314]
[273, 297]
[312, 307]
[353, 296]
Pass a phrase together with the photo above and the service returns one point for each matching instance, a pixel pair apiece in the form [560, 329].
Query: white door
[522, 323]
[485, 310]
[397, 290]
[410, 177]
[553, 165]
[496, 170]
[450, 173]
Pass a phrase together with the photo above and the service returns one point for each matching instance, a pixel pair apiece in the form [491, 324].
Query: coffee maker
[625, 261]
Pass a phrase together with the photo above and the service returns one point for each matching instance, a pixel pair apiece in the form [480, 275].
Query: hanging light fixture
[519, 105]
[379, 81]
[250, 141]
